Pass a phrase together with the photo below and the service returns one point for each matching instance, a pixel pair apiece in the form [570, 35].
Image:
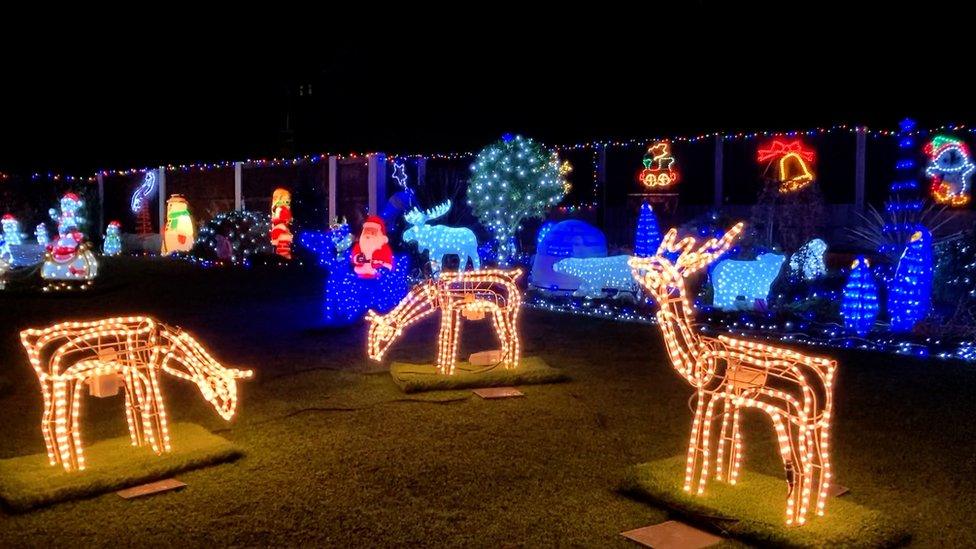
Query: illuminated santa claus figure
[372, 251]
[280, 220]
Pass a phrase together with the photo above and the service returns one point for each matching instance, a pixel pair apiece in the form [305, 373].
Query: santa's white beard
[369, 244]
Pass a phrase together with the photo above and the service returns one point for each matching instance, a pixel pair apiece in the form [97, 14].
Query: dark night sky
[131, 98]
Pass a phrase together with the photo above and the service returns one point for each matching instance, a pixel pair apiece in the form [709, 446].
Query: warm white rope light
[471, 294]
[136, 349]
[728, 374]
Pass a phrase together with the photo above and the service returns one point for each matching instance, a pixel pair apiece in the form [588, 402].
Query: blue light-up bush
[910, 289]
[859, 305]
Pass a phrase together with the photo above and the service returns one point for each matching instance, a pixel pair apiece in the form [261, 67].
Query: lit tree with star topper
[648, 236]
[514, 179]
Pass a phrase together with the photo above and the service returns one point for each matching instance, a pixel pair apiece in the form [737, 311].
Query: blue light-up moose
[441, 240]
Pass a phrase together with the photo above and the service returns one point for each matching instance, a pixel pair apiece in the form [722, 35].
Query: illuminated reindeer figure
[731, 374]
[467, 293]
[136, 349]
[441, 240]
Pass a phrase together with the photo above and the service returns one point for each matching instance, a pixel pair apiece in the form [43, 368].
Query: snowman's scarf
[174, 217]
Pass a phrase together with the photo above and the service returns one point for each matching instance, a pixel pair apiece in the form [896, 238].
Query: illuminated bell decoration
[950, 167]
[659, 167]
[791, 160]
[458, 294]
[113, 240]
[732, 375]
[440, 240]
[137, 349]
[750, 280]
[178, 230]
[859, 305]
[281, 236]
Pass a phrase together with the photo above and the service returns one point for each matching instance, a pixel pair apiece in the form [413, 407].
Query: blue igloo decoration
[570, 238]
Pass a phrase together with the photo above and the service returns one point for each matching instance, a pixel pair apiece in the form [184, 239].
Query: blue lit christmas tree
[910, 289]
[648, 236]
[904, 204]
[859, 306]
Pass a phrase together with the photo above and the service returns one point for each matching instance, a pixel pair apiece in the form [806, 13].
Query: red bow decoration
[779, 149]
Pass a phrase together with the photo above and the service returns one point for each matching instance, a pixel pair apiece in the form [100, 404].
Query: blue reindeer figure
[441, 240]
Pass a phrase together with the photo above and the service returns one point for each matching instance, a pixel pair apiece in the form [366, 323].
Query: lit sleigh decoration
[130, 350]
[468, 294]
[729, 375]
[659, 169]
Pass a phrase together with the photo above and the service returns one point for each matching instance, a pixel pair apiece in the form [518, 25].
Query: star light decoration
[135, 350]
[950, 167]
[468, 294]
[731, 375]
[400, 173]
[791, 158]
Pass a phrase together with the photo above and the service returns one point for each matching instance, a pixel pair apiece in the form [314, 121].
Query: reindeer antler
[690, 262]
[439, 210]
[415, 217]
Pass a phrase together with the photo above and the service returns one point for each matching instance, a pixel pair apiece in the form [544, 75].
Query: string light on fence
[132, 351]
[468, 294]
[793, 389]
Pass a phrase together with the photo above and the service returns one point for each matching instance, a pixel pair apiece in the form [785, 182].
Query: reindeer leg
[696, 426]
[159, 411]
[736, 457]
[794, 462]
[455, 340]
[724, 440]
[60, 425]
[145, 409]
[823, 456]
[444, 337]
[132, 409]
[73, 424]
[47, 426]
[706, 443]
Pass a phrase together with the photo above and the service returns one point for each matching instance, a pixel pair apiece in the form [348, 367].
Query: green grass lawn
[338, 457]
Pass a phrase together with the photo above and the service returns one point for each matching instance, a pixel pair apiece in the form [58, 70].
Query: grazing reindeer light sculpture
[135, 348]
[441, 240]
[467, 293]
[730, 374]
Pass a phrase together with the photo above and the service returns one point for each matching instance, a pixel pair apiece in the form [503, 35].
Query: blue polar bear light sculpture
[749, 280]
[441, 240]
[598, 273]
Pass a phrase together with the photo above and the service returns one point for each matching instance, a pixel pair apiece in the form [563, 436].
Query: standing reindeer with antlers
[729, 374]
[135, 348]
[471, 294]
[441, 240]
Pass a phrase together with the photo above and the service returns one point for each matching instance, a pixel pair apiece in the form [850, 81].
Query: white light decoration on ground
[597, 274]
[113, 240]
[178, 231]
[440, 240]
[729, 375]
[468, 294]
[136, 349]
[69, 264]
[514, 179]
[11, 230]
[40, 233]
[751, 280]
[808, 261]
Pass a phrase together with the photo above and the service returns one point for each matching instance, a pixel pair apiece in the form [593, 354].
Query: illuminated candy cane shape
[471, 294]
[729, 375]
[137, 348]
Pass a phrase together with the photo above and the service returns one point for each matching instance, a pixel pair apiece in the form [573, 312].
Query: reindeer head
[417, 218]
[217, 383]
[385, 329]
[382, 333]
[663, 276]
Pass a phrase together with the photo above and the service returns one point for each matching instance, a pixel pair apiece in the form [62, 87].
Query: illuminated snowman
[69, 219]
[41, 234]
[178, 233]
[69, 260]
[11, 230]
[113, 240]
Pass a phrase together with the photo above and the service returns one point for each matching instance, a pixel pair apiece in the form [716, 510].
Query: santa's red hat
[377, 220]
[114, 224]
[71, 196]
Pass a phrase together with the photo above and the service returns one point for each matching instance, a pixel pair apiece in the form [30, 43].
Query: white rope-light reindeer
[441, 240]
[793, 389]
[136, 349]
[471, 294]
